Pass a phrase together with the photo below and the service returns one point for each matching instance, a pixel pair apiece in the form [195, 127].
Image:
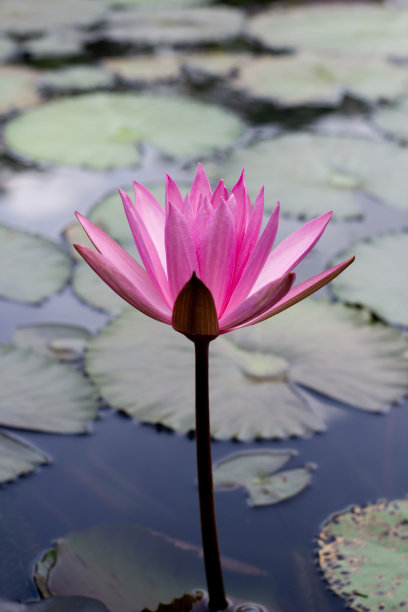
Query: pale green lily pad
[147, 370]
[64, 342]
[17, 458]
[394, 120]
[346, 29]
[310, 174]
[363, 553]
[213, 64]
[375, 280]
[154, 4]
[56, 44]
[144, 68]
[129, 567]
[55, 604]
[7, 48]
[40, 394]
[103, 130]
[254, 470]
[91, 289]
[33, 268]
[175, 26]
[18, 88]
[305, 79]
[76, 78]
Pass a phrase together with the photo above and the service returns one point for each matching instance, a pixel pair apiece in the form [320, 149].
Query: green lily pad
[7, 48]
[58, 44]
[175, 26]
[216, 63]
[305, 79]
[154, 4]
[363, 553]
[393, 119]
[33, 268]
[257, 366]
[18, 88]
[310, 174]
[64, 342]
[92, 290]
[17, 458]
[55, 604]
[376, 281]
[145, 68]
[103, 130]
[253, 470]
[76, 78]
[347, 29]
[129, 567]
[40, 394]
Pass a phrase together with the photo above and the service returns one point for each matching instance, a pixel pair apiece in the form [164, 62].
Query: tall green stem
[212, 562]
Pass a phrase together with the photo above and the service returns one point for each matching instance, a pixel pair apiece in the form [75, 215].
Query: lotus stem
[212, 561]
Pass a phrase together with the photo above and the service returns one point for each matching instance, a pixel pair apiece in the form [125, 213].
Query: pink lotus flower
[215, 235]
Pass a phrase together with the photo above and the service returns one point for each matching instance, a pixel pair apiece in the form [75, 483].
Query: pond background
[125, 471]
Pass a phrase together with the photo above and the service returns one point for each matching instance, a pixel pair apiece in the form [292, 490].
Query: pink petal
[180, 251]
[204, 213]
[105, 244]
[292, 250]
[153, 217]
[201, 185]
[303, 290]
[255, 261]
[251, 234]
[216, 255]
[219, 193]
[173, 194]
[133, 285]
[146, 247]
[258, 303]
[243, 206]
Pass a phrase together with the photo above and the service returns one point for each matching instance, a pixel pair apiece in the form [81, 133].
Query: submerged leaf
[363, 553]
[17, 458]
[103, 130]
[253, 470]
[330, 349]
[376, 280]
[33, 267]
[129, 567]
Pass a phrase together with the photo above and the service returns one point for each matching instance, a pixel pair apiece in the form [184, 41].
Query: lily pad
[103, 130]
[91, 289]
[305, 79]
[175, 26]
[40, 394]
[146, 68]
[129, 567]
[64, 342]
[216, 63]
[376, 280]
[253, 470]
[346, 29]
[331, 349]
[55, 604]
[33, 268]
[18, 88]
[17, 458]
[393, 119]
[76, 78]
[310, 173]
[60, 43]
[7, 48]
[363, 553]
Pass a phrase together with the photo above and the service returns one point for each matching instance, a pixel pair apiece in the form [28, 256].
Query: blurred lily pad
[129, 567]
[310, 173]
[17, 458]
[40, 394]
[64, 342]
[55, 604]
[363, 554]
[7, 48]
[254, 470]
[175, 26]
[103, 130]
[376, 280]
[18, 88]
[393, 119]
[145, 68]
[305, 79]
[215, 63]
[92, 290]
[76, 78]
[33, 268]
[347, 29]
[317, 345]
[58, 43]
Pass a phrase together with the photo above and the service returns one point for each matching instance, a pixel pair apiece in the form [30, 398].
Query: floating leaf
[40, 394]
[310, 173]
[60, 43]
[144, 68]
[352, 29]
[393, 119]
[64, 342]
[305, 79]
[92, 290]
[376, 280]
[154, 4]
[216, 63]
[17, 458]
[363, 553]
[253, 470]
[18, 88]
[76, 78]
[328, 348]
[129, 567]
[7, 48]
[56, 604]
[103, 130]
[33, 268]
[175, 26]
